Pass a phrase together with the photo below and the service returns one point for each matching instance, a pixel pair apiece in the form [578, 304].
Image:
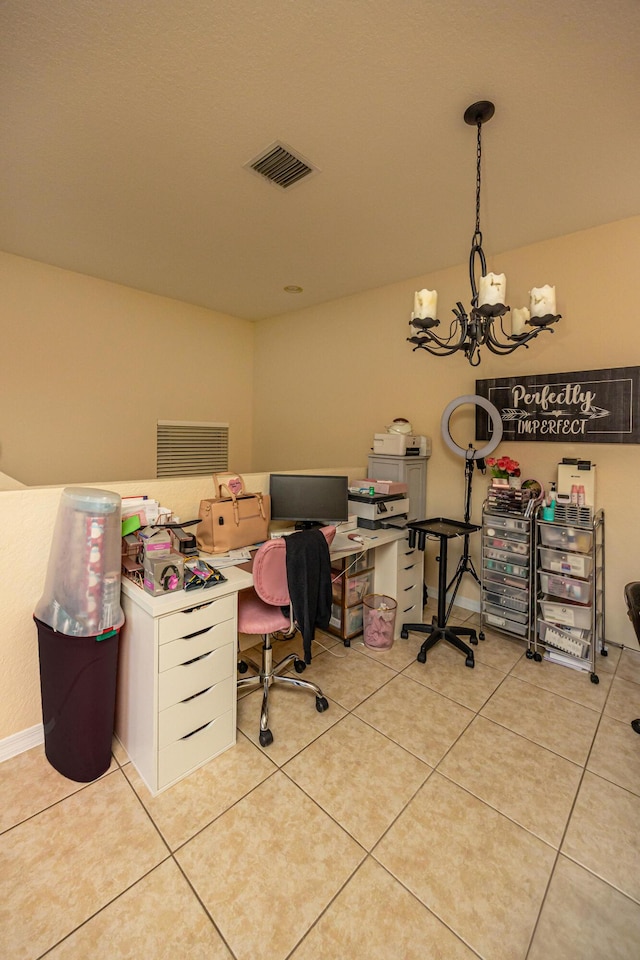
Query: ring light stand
[471, 456]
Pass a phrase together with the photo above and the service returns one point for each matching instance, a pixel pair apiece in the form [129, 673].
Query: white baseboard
[20, 742]
[465, 602]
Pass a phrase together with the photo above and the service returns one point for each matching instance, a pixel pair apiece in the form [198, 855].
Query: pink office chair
[260, 612]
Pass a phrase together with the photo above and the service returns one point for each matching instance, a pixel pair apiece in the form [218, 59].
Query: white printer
[373, 510]
[401, 445]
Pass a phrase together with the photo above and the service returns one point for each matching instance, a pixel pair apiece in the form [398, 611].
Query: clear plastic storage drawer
[503, 600]
[513, 524]
[565, 562]
[567, 538]
[566, 614]
[498, 618]
[578, 591]
[518, 548]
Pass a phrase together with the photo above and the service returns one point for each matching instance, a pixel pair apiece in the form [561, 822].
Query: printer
[401, 445]
[373, 510]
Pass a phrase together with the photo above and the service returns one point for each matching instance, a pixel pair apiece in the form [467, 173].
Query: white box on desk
[346, 526]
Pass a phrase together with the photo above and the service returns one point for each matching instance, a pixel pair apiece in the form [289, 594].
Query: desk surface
[237, 579]
[342, 546]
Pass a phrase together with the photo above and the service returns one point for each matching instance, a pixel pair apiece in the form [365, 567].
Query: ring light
[496, 423]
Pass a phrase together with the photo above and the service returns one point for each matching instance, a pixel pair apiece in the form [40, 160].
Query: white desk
[176, 694]
[398, 568]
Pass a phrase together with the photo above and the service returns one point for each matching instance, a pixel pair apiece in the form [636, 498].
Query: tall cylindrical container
[78, 619]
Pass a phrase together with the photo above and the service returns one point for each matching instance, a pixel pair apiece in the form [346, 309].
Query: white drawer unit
[410, 584]
[176, 695]
[399, 573]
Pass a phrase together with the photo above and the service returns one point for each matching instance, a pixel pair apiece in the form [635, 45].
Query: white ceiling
[126, 125]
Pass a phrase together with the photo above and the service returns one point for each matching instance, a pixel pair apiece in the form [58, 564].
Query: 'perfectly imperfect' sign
[591, 406]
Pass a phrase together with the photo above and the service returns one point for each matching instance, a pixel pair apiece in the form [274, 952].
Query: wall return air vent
[281, 166]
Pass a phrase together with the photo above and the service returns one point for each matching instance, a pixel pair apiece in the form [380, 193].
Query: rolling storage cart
[507, 597]
[352, 580]
[570, 585]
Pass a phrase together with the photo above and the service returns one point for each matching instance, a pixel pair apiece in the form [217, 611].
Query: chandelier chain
[478, 181]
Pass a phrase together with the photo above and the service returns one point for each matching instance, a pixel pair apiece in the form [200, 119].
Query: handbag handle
[229, 485]
[236, 514]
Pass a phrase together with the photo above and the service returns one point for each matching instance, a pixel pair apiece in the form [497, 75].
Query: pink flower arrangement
[504, 467]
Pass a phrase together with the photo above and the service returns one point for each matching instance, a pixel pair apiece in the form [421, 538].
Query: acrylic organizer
[82, 588]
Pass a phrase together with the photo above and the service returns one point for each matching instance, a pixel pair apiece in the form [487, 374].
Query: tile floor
[432, 812]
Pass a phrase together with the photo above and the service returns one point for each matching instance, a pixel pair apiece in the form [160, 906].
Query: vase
[515, 483]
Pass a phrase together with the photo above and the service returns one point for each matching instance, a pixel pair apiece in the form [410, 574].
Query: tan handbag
[237, 519]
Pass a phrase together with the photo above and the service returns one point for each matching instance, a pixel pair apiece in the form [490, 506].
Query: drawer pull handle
[408, 609]
[410, 567]
[200, 693]
[197, 730]
[200, 606]
[203, 656]
[406, 589]
[198, 633]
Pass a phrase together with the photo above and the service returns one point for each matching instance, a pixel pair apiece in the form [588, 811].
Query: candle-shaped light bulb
[492, 289]
[519, 316]
[543, 301]
[425, 305]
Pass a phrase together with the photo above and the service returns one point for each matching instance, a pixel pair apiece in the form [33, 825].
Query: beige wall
[344, 370]
[325, 380]
[88, 367]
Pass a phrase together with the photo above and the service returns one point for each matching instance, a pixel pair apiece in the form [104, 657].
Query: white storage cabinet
[409, 470]
[176, 695]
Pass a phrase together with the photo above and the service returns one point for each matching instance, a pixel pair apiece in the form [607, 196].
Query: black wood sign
[591, 406]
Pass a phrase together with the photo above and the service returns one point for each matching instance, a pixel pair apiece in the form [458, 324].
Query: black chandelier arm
[439, 348]
[476, 251]
[424, 332]
[502, 349]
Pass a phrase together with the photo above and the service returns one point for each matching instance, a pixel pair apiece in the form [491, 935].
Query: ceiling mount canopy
[483, 326]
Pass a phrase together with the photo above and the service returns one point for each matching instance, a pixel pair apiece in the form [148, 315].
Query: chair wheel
[529, 654]
[595, 678]
[470, 662]
[242, 666]
[422, 657]
[604, 652]
[474, 641]
[636, 725]
[481, 635]
[300, 666]
[266, 737]
[404, 634]
[322, 704]
[537, 657]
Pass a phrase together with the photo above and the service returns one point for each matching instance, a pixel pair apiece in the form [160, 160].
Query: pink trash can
[379, 618]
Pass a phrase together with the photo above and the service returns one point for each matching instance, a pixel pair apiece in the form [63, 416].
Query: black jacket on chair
[309, 583]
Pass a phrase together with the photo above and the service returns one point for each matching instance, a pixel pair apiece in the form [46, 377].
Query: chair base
[266, 675]
[435, 633]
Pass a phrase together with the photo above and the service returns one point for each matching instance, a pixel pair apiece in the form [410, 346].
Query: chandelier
[483, 326]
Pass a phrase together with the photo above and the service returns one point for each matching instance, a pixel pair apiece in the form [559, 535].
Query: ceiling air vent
[281, 166]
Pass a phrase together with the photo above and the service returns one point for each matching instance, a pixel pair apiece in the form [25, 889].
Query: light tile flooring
[432, 812]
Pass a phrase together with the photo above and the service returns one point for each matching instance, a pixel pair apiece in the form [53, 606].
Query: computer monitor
[308, 500]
